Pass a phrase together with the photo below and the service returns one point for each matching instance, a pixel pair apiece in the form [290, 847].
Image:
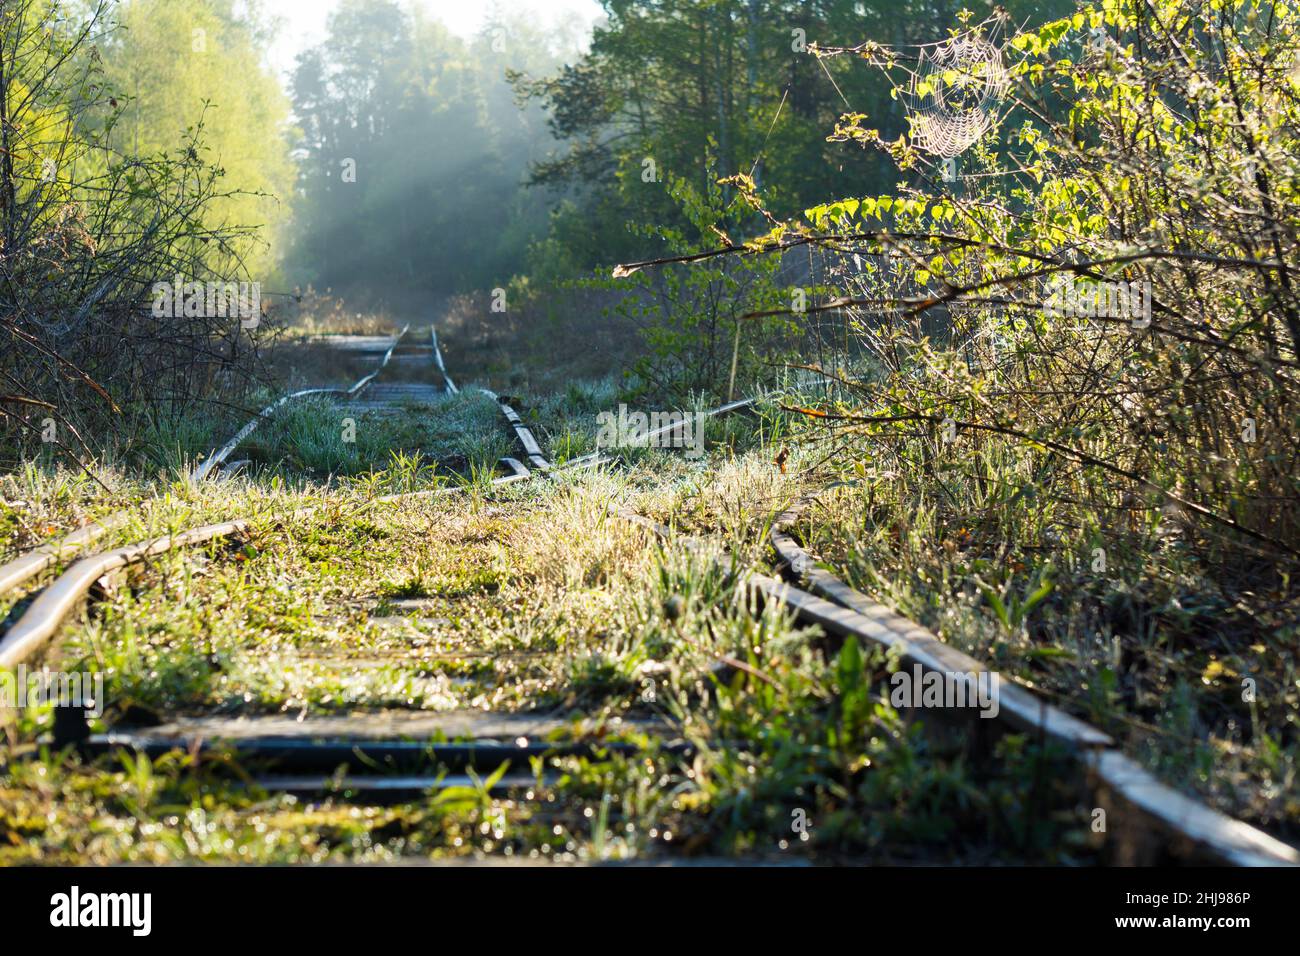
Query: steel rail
[595, 458]
[437, 358]
[844, 611]
[648, 438]
[921, 646]
[531, 448]
[205, 468]
[841, 612]
[28, 565]
[43, 618]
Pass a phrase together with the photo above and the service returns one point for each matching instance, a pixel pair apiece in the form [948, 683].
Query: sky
[304, 20]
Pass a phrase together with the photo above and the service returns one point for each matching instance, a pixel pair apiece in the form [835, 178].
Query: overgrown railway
[398, 755]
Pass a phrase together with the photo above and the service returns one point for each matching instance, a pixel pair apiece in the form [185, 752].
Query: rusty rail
[28, 565]
[842, 610]
[206, 467]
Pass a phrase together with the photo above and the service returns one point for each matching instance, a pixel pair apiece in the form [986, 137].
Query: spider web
[953, 95]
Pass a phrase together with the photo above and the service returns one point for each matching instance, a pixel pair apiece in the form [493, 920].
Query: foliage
[178, 63]
[91, 220]
[697, 340]
[674, 80]
[1147, 174]
[1114, 490]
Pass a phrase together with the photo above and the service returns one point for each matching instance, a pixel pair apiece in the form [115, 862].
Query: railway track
[397, 756]
[1154, 822]
[214, 462]
[25, 567]
[407, 763]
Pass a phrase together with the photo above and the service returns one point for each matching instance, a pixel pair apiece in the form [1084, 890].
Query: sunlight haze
[303, 21]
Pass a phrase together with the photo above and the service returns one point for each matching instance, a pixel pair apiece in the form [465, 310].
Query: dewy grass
[532, 598]
[323, 437]
[530, 602]
[1194, 674]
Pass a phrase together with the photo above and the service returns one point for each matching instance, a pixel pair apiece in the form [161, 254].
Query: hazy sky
[304, 20]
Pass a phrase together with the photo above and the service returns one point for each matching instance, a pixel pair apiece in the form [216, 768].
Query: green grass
[537, 597]
[1153, 647]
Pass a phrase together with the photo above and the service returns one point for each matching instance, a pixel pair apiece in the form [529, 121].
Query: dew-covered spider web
[954, 92]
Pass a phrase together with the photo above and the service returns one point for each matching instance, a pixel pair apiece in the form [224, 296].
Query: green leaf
[1037, 598]
[995, 600]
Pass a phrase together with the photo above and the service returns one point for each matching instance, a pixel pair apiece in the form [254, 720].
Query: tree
[88, 226]
[184, 64]
[670, 81]
[413, 154]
